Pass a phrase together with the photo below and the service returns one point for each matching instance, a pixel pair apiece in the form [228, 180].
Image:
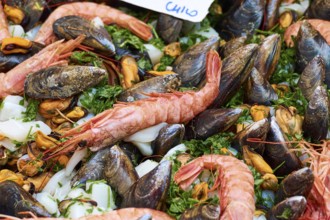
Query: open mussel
[297, 183]
[159, 84]
[257, 130]
[316, 119]
[168, 137]
[9, 61]
[268, 55]
[70, 27]
[202, 212]
[191, 65]
[235, 71]
[310, 44]
[242, 19]
[291, 209]
[14, 199]
[277, 151]
[319, 9]
[312, 77]
[211, 121]
[58, 82]
[168, 27]
[258, 90]
[150, 191]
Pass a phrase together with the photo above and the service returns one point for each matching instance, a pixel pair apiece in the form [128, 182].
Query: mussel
[319, 9]
[14, 199]
[231, 46]
[235, 71]
[268, 55]
[202, 212]
[291, 209]
[278, 154]
[297, 183]
[210, 122]
[58, 82]
[316, 119]
[312, 77]
[242, 19]
[258, 90]
[191, 65]
[258, 130]
[159, 84]
[272, 13]
[150, 191]
[70, 27]
[168, 27]
[310, 44]
[168, 137]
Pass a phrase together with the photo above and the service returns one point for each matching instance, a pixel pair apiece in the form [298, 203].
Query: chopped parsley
[31, 110]
[83, 57]
[165, 61]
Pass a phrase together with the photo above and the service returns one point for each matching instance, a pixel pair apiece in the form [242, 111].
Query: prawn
[321, 26]
[120, 214]
[234, 179]
[4, 32]
[318, 201]
[12, 82]
[126, 119]
[91, 10]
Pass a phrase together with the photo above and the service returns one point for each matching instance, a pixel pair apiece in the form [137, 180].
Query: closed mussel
[168, 137]
[150, 191]
[242, 19]
[59, 82]
[70, 27]
[316, 119]
[272, 13]
[278, 154]
[168, 27]
[191, 65]
[310, 44]
[258, 90]
[235, 71]
[211, 121]
[14, 199]
[291, 209]
[202, 212]
[257, 130]
[159, 84]
[312, 77]
[319, 9]
[268, 55]
[231, 46]
[298, 183]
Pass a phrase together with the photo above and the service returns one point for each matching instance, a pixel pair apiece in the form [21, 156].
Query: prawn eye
[82, 143]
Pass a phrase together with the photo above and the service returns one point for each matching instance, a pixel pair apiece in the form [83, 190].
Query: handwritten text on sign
[192, 10]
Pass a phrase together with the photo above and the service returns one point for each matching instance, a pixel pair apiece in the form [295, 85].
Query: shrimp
[91, 10]
[4, 32]
[318, 201]
[235, 180]
[12, 82]
[120, 214]
[125, 119]
[320, 25]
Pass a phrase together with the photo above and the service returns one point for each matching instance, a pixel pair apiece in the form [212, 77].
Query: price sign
[191, 10]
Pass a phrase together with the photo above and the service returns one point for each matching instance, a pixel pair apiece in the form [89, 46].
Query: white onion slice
[144, 147]
[16, 31]
[84, 119]
[47, 201]
[102, 194]
[78, 192]
[146, 135]
[78, 209]
[8, 144]
[78, 155]
[11, 111]
[57, 181]
[145, 167]
[154, 53]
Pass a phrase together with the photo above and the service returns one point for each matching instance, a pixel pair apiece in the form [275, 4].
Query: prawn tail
[188, 173]
[141, 29]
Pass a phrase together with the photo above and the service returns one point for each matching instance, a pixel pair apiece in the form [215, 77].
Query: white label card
[191, 10]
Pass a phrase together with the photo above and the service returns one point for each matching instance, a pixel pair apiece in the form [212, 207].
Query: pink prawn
[320, 25]
[12, 82]
[4, 32]
[125, 119]
[91, 10]
[235, 183]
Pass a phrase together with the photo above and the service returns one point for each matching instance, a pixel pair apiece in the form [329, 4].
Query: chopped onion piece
[145, 167]
[78, 155]
[154, 53]
[78, 192]
[16, 31]
[57, 181]
[84, 119]
[62, 191]
[8, 144]
[269, 197]
[48, 201]
[146, 135]
[11, 111]
[144, 147]
[78, 209]
[102, 194]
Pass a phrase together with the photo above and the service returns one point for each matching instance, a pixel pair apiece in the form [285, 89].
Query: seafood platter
[113, 111]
